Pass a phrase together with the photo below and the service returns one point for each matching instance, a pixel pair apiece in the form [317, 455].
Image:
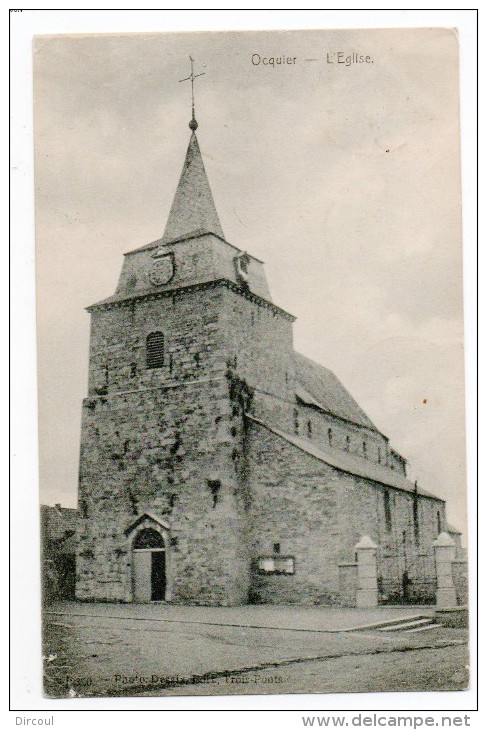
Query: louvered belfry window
[155, 350]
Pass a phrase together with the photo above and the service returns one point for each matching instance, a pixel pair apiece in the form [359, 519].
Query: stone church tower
[217, 465]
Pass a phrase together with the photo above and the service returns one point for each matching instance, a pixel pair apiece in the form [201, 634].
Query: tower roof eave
[187, 237]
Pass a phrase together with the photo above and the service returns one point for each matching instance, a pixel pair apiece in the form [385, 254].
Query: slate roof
[349, 463]
[319, 387]
[188, 237]
[452, 529]
[193, 208]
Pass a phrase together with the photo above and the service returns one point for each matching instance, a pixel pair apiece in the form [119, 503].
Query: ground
[116, 649]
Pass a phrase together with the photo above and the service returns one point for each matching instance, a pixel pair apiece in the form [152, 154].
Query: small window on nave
[155, 350]
[387, 510]
[296, 421]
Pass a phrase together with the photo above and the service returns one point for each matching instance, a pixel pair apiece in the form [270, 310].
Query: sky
[344, 179]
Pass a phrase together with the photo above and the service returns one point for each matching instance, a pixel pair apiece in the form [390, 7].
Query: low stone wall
[348, 584]
[454, 618]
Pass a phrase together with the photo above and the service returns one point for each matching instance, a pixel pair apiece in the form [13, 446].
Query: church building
[218, 466]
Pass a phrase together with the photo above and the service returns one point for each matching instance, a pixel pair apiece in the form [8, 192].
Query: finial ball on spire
[193, 125]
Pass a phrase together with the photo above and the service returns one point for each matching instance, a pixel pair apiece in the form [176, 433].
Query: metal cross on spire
[193, 125]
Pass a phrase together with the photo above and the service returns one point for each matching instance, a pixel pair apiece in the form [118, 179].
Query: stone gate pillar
[367, 593]
[445, 550]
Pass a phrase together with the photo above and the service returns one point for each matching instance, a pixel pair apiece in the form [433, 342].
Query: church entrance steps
[394, 624]
[409, 625]
[430, 627]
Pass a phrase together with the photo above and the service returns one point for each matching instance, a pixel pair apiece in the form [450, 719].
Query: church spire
[193, 208]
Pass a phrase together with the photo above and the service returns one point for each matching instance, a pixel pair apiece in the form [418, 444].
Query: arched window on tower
[330, 437]
[155, 350]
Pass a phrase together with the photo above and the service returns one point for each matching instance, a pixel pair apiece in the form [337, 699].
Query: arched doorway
[149, 566]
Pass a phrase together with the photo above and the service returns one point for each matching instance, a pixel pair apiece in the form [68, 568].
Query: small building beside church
[219, 466]
[58, 548]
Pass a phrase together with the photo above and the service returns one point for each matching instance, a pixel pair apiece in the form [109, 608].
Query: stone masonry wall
[259, 344]
[189, 321]
[161, 441]
[294, 502]
[318, 513]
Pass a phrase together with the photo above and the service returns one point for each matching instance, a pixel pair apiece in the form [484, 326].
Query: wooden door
[158, 575]
[142, 573]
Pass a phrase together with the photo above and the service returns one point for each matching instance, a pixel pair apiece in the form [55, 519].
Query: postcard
[250, 347]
